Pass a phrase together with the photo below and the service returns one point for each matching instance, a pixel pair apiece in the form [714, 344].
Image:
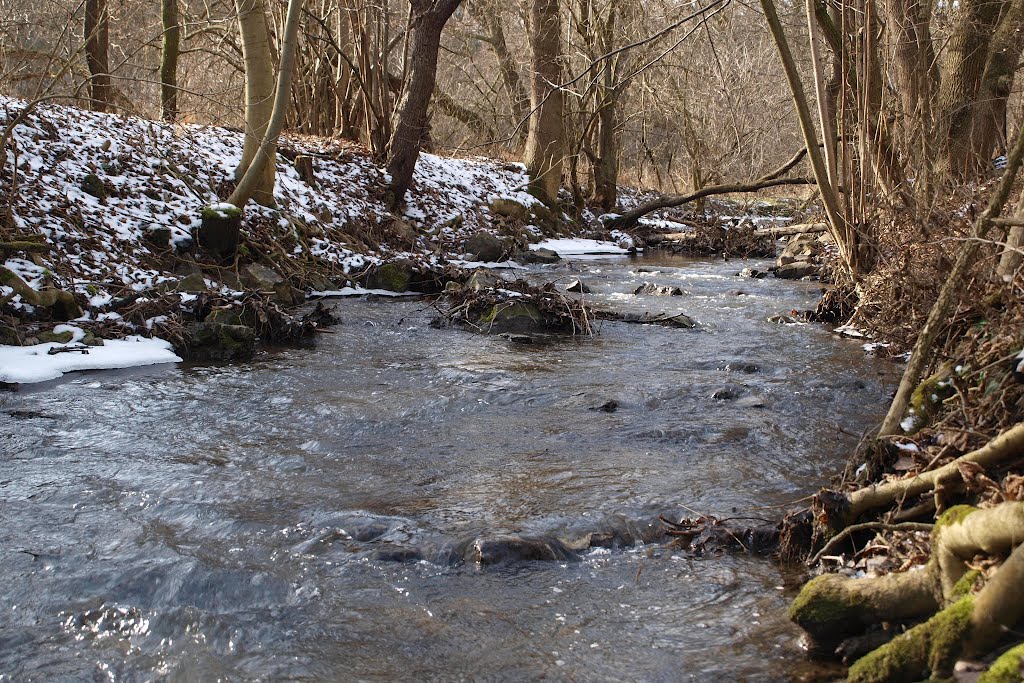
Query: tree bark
[259, 94]
[169, 51]
[97, 49]
[545, 141]
[258, 180]
[844, 236]
[963, 65]
[988, 125]
[428, 20]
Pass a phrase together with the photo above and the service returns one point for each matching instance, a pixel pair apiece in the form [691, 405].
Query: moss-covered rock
[514, 317]
[220, 231]
[929, 395]
[394, 276]
[211, 341]
[55, 337]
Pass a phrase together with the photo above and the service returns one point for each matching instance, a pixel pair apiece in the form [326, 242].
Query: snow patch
[30, 364]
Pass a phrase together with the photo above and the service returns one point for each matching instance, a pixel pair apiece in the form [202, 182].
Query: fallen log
[797, 229]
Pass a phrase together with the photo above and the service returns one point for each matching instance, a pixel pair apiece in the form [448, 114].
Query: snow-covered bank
[42, 362]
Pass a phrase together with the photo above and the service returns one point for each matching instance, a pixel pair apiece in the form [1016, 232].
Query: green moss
[220, 211]
[927, 650]
[965, 586]
[824, 607]
[390, 276]
[953, 515]
[929, 395]
[1006, 669]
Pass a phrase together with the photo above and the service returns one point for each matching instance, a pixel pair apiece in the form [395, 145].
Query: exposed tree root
[831, 607]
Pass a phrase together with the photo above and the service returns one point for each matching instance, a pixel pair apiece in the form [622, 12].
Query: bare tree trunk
[545, 141]
[491, 22]
[988, 131]
[262, 168]
[428, 20]
[964, 59]
[606, 166]
[97, 48]
[259, 93]
[845, 237]
[169, 51]
[1012, 257]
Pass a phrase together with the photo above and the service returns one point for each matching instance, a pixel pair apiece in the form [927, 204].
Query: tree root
[840, 510]
[831, 608]
[60, 302]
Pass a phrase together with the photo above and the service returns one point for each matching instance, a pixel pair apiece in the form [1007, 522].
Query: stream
[297, 517]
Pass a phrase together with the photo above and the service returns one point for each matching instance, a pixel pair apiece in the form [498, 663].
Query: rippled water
[240, 522]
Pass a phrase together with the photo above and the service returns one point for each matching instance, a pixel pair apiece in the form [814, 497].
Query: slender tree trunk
[252, 183]
[545, 141]
[169, 52]
[97, 49]
[259, 94]
[988, 132]
[606, 166]
[428, 20]
[1012, 257]
[845, 237]
[514, 87]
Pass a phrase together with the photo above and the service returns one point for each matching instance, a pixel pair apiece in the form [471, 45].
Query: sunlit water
[228, 522]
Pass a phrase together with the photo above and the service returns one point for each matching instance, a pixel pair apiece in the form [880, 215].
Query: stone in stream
[577, 286]
[658, 290]
[510, 549]
[679, 320]
[536, 256]
[796, 270]
[752, 273]
[607, 407]
[259, 277]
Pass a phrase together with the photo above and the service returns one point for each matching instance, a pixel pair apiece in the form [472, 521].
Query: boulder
[259, 277]
[507, 208]
[483, 279]
[796, 270]
[513, 317]
[800, 248]
[192, 284]
[658, 290]
[56, 337]
[220, 231]
[394, 277]
[208, 341]
[577, 286]
[536, 256]
[483, 246]
[509, 549]
[752, 273]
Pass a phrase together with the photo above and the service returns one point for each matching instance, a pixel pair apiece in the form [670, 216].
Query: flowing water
[299, 517]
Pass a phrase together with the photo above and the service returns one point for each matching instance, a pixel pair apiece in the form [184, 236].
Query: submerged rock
[679, 320]
[510, 549]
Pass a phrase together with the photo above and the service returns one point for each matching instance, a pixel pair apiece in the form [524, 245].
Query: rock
[91, 339]
[536, 256]
[93, 185]
[208, 341]
[318, 283]
[515, 317]
[679, 320]
[192, 284]
[607, 407]
[657, 290]
[259, 277]
[724, 394]
[55, 337]
[781, 319]
[507, 208]
[323, 214]
[509, 549]
[747, 368]
[800, 248]
[796, 270]
[578, 287]
[483, 246]
[393, 553]
[394, 276]
[752, 273]
[518, 338]
[225, 315]
[403, 230]
[483, 279]
[158, 236]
